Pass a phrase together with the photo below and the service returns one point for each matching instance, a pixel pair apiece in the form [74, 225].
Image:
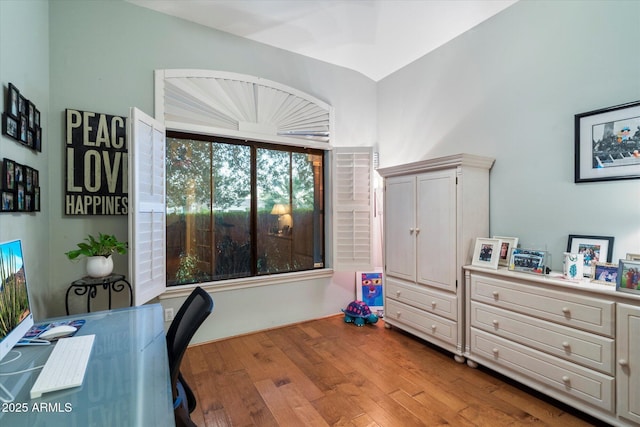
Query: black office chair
[193, 312]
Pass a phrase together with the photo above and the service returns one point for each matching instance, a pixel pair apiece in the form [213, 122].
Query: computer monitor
[15, 312]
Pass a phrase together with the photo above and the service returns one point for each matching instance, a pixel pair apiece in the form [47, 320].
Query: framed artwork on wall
[7, 202]
[13, 96]
[607, 143]
[9, 126]
[21, 119]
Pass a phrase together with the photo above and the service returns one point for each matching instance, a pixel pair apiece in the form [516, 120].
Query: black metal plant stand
[89, 286]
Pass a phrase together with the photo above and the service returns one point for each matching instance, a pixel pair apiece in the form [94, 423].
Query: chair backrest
[193, 312]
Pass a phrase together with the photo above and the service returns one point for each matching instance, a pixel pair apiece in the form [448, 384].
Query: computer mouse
[57, 332]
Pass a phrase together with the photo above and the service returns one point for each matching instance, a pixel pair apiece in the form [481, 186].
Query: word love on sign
[97, 164]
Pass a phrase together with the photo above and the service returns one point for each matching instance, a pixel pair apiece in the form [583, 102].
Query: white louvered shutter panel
[353, 211]
[147, 251]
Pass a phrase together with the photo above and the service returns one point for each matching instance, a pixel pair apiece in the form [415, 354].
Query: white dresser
[578, 342]
[433, 211]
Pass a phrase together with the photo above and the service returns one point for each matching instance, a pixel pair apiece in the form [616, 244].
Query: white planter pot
[99, 266]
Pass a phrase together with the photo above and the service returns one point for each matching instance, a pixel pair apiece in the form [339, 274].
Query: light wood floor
[328, 373]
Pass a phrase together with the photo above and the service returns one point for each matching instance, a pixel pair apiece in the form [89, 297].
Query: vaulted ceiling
[373, 37]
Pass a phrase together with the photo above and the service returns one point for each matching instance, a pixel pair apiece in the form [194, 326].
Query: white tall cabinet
[433, 211]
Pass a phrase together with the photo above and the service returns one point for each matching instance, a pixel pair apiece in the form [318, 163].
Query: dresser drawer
[577, 311]
[584, 348]
[432, 300]
[565, 377]
[427, 323]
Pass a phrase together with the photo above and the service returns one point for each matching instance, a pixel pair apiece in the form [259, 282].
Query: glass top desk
[126, 383]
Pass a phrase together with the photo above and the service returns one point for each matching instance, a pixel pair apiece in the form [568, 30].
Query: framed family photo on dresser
[486, 253]
[508, 245]
[594, 249]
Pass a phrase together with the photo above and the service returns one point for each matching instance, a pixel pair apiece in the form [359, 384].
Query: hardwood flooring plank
[278, 404]
[422, 412]
[263, 360]
[328, 373]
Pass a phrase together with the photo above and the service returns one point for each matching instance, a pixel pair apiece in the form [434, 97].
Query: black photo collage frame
[21, 120]
[20, 189]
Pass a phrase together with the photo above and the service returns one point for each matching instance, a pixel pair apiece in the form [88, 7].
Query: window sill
[246, 282]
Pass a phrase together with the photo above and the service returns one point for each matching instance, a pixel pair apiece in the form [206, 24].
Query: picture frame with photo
[528, 261]
[31, 115]
[18, 173]
[628, 276]
[8, 174]
[606, 146]
[605, 273]
[13, 98]
[9, 126]
[22, 105]
[20, 194]
[23, 128]
[594, 249]
[7, 201]
[37, 142]
[36, 199]
[633, 257]
[486, 253]
[508, 244]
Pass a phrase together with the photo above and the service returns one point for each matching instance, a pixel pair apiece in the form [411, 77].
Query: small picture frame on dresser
[486, 253]
[528, 261]
[633, 257]
[508, 244]
[605, 273]
[628, 279]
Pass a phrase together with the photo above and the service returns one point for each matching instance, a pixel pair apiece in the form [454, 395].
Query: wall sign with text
[96, 163]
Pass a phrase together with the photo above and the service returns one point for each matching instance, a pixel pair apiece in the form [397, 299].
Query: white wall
[103, 54]
[24, 61]
[509, 89]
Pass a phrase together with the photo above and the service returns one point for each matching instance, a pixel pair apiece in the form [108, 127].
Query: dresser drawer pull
[398, 314]
[398, 293]
[433, 304]
[566, 344]
[623, 362]
[495, 323]
[433, 328]
[495, 294]
[566, 310]
[495, 351]
[565, 379]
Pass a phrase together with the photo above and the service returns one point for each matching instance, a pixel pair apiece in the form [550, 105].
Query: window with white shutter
[146, 206]
[353, 213]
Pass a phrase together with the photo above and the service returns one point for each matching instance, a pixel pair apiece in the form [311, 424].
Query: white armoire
[433, 211]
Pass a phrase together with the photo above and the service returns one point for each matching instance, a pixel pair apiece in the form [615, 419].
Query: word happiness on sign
[97, 164]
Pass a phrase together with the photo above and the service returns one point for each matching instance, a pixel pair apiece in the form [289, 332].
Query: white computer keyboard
[65, 366]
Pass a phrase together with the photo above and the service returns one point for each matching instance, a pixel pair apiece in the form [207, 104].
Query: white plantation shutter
[241, 106]
[353, 213]
[147, 251]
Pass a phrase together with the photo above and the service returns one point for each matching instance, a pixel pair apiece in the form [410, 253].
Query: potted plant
[98, 252]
